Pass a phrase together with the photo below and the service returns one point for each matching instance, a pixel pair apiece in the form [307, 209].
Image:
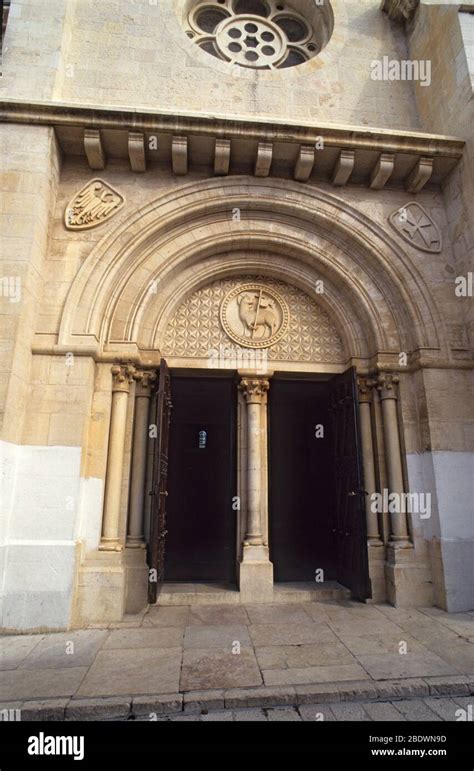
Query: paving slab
[444, 707]
[219, 716]
[395, 665]
[383, 711]
[133, 671]
[316, 713]
[354, 626]
[208, 668]
[227, 615]
[256, 714]
[416, 709]
[40, 684]
[160, 615]
[295, 656]
[284, 714]
[217, 636]
[264, 635]
[322, 674]
[349, 712]
[381, 643]
[277, 613]
[159, 637]
[66, 649]
[15, 648]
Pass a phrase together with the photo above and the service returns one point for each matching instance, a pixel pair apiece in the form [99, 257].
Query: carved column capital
[387, 383]
[400, 10]
[365, 386]
[254, 389]
[122, 376]
[144, 380]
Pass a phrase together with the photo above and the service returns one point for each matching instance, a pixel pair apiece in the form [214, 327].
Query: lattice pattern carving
[195, 329]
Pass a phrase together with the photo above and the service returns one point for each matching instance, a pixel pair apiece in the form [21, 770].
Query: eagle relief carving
[94, 204]
[254, 316]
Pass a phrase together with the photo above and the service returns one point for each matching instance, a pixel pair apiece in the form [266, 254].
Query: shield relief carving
[95, 203]
[415, 225]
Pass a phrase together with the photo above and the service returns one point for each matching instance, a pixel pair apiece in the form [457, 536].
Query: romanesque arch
[153, 259]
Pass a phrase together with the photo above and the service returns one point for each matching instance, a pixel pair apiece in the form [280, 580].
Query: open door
[159, 492]
[350, 524]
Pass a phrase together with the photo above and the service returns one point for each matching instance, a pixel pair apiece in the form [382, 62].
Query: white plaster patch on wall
[8, 460]
[454, 473]
[449, 476]
[40, 486]
[89, 521]
[421, 479]
[466, 21]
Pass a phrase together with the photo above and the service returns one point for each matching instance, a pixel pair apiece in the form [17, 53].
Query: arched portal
[342, 301]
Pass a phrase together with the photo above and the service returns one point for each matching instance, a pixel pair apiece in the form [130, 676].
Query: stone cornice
[365, 146]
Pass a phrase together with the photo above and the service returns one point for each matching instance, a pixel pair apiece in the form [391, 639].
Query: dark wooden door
[159, 492]
[301, 493]
[349, 495]
[201, 521]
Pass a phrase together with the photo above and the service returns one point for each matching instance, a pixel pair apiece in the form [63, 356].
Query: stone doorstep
[128, 707]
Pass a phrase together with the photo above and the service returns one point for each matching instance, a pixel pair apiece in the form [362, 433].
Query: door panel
[350, 522]
[156, 546]
[301, 537]
[201, 521]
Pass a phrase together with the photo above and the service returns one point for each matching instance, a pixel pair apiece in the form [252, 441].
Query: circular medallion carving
[255, 316]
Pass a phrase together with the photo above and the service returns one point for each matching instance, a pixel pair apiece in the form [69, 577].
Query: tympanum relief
[253, 312]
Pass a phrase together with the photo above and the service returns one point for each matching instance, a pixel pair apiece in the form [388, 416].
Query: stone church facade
[262, 209]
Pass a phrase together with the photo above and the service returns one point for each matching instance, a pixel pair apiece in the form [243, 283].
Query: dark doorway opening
[201, 524]
[316, 496]
[301, 489]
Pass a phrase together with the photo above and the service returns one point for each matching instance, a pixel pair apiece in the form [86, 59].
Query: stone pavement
[420, 710]
[364, 660]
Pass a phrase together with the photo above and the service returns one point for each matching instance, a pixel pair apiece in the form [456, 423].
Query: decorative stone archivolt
[133, 277]
[93, 205]
[291, 325]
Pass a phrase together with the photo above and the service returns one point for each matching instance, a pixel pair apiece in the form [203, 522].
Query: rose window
[262, 34]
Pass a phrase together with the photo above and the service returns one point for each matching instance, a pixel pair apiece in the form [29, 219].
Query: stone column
[255, 570]
[122, 377]
[139, 458]
[254, 389]
[387, 388]
[365, 386]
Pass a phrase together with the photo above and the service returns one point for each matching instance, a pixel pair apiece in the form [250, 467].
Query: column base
[100, 589]
[135, 543]
[110, 544]
[136, 579]
[408, 578]
[376, 556]
[256, 575]
[108, 585]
